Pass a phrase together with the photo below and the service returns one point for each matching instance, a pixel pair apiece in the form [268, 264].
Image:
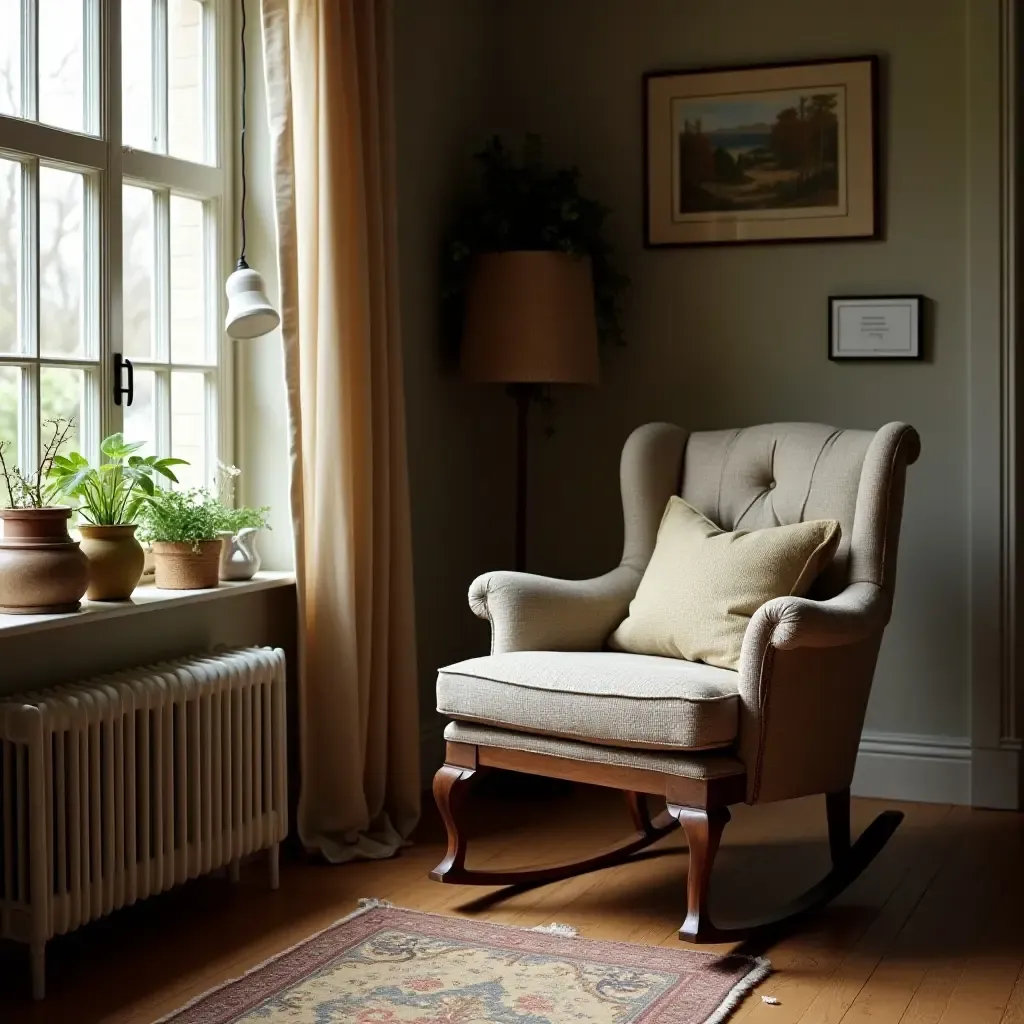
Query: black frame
[921, 301]
[877, 232]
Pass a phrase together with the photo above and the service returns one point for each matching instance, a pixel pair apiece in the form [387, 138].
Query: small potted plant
[239, 558]
[183, 529]
[111, 497]
[41, 568]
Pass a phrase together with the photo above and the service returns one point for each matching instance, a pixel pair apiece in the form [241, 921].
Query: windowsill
[147, 598]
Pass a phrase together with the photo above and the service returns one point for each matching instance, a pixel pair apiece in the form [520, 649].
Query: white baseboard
[896, 766]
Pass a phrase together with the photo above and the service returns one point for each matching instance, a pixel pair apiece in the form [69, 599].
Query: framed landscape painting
[775, 153]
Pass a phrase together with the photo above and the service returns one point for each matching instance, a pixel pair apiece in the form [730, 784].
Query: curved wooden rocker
[450, 786]
[703, 817]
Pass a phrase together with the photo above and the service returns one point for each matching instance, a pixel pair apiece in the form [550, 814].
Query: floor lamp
[529, 322]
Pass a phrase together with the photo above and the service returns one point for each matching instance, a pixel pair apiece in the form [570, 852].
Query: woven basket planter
[187, 566]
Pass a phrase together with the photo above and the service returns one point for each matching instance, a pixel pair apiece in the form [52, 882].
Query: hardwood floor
[932, 933]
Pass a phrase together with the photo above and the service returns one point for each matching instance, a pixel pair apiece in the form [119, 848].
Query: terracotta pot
[187, 566]
[239, 559]
[116, 561]
[42, 570]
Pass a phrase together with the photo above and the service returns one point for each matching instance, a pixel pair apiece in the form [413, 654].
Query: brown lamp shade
[530, 320]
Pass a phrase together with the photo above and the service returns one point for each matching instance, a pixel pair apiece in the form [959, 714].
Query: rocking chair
[551, 700]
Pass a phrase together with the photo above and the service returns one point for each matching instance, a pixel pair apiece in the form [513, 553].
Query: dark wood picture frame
[919, 336]
[874, 211]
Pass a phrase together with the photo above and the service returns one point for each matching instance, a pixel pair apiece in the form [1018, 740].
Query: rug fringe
[761, 969]
[565, 930]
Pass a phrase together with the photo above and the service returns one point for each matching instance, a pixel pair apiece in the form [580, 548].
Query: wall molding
[938, 769]
[993, 423]
[902, 766]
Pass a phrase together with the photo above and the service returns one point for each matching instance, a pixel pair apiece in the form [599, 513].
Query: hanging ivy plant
[526, 205]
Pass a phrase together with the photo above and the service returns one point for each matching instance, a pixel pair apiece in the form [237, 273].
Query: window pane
[61, 79]
[140, 416]
[10, 253]
[188, 426]
[61, 391]
[136, 73]
[10, 57]
[10, 402]
[186, 126]
[61, 261]
[188, 293]
[137, 278]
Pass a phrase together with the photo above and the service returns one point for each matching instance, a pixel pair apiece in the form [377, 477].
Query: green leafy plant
[241, 517]
[30, 490]
[180, 517]
[235, 519]
[526, 205]
[113, 493]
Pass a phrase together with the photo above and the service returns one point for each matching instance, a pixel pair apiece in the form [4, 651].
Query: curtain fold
[329, 93]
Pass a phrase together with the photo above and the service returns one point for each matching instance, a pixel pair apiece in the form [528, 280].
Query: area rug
[383, 965]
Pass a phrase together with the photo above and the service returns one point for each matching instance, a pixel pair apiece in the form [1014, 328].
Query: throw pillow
[702, 584]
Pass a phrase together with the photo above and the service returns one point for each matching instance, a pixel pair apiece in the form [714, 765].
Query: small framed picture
[879, 327]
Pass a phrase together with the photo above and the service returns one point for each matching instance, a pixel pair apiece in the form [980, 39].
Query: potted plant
[41, 568]
[183, 528]
[239, 558]
[526, 206]
[111, 496]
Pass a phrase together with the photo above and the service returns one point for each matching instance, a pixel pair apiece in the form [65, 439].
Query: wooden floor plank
[807, 960]
[884, 951]
[1014, 1012]
[842, 988]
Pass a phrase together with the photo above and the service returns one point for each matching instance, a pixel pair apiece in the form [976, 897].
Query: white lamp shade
[250, 313]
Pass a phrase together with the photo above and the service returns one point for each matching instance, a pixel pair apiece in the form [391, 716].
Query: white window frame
[107, 165]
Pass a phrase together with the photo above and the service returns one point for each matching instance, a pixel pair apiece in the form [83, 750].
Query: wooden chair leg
[451, 785]
[640, 811]
[703, 830]
[837, 807]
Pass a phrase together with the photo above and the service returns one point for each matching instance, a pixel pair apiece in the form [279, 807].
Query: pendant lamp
[250, 313]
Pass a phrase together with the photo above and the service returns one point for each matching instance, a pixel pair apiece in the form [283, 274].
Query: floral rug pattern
[390, 966]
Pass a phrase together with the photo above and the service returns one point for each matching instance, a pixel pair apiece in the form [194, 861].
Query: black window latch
[120, 366]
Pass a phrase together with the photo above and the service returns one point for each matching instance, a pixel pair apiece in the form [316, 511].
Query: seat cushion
[702, 584]
[625, 700]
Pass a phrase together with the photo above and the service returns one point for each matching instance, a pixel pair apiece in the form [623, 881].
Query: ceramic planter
[187, 566]
[42, 570]
[239, 559]
[116, 560]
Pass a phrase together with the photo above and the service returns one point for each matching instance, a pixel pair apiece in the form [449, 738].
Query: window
[114, 230]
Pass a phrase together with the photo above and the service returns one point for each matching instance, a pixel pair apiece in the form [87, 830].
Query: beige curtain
[328, 71]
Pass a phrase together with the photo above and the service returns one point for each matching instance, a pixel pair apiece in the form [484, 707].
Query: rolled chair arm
[538, 613]
[805, 676]
[788, 622]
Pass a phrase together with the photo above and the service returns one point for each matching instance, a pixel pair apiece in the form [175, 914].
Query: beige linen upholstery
[806, 663]
[628, 700]
[703, 583]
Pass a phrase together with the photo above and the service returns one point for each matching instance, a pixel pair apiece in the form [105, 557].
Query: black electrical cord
[241, 256]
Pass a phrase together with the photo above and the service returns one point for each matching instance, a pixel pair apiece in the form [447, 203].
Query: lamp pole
[522, 393]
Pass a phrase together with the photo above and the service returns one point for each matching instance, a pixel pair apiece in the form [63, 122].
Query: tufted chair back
[780, 473]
